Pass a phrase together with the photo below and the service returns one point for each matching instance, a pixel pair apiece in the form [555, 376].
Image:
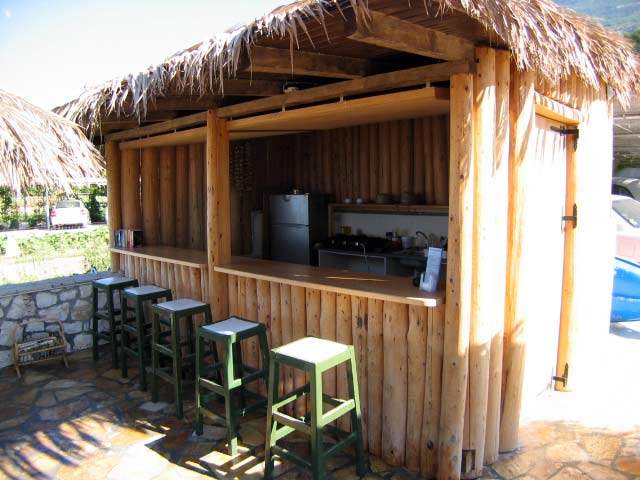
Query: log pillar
[522, 117]
[114, 204]
[487, 190]
[500, 187]
[458, 287]
[218, 211]
[168, 196]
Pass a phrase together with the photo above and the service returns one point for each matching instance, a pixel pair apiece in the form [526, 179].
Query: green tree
[635, 38]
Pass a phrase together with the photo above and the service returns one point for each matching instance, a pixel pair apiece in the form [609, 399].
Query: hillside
[621, 15]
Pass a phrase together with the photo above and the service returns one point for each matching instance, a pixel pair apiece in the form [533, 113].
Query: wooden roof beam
[277, 60]
[396, 34]
[437, 72]
[172, 125]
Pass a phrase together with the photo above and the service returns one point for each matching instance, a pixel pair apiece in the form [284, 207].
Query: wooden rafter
[276, 60]
[395, 34]
[384, 81]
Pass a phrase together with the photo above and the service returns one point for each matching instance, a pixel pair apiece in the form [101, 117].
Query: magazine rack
[36, 347]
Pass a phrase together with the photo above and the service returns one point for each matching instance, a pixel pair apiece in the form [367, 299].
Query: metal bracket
[568, 131]
[565, 376]
[572, 218]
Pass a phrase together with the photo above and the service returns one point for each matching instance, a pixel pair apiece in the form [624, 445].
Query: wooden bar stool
[235, 375]
[314, 356]
[176, 310]
[138, 326]
[110, 286]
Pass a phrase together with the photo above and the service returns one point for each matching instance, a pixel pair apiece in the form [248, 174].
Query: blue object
[625, 305]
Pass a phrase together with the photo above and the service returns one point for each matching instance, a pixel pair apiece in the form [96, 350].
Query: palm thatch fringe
[38, 147]
[542, 36]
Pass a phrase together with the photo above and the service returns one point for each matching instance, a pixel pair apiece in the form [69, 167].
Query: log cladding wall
[163, 192]
[362, 161]
[184, 281]
[398, 355]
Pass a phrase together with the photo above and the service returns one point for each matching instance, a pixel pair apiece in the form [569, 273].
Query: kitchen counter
[381, 287]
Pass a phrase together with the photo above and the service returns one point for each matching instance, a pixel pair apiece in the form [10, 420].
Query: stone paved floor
[85, 422]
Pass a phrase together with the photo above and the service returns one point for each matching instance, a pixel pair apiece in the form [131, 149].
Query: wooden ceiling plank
[360, 111]
[398, 79]
[278, 60]
[396, 34]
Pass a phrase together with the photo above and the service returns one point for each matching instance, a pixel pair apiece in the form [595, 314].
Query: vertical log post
[458, 292]
[114, 204]
[218, 212]
[499, 221]
[130, 171]
[375, 367]
[485, 254]
[182, 196]
[522, 117]
[150, 178]
[417, 366]
[168, 196]
[394, 399]
[196, 202]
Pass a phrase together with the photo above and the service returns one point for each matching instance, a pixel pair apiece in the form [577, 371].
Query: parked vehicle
[625, 305]
[70, 213]
[626, 187]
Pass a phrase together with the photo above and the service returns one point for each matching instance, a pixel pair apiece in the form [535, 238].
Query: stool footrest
[341, 444]
[291, 422]
[289, 455]
[338, 411]
[163, 350]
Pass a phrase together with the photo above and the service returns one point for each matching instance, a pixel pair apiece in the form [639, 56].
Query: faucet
[426, 239]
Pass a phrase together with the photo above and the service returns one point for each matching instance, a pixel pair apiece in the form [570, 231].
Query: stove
[356, 242]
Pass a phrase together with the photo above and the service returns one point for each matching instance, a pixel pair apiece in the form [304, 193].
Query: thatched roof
[542, 36]
[38, 147]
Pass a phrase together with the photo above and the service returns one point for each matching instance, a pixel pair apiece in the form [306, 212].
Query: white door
[544, 250]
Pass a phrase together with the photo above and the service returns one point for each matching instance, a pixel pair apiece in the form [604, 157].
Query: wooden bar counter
[396, 329]
[182, 270]
[379, 287]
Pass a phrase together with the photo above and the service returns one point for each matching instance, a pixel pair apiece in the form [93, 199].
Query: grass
[93, 246]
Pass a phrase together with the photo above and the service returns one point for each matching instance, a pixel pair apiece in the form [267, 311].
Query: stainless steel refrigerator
[297, 223]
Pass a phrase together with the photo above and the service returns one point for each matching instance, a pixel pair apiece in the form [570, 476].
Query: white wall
[377, 224]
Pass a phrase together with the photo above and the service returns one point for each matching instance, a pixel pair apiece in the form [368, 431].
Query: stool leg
[124, 336]
[317, 426]
[94, 300]
[112, 329]
[356, 422]
[199, 353]
[230, 410]
[264, 347]
[140, 321]
[177, 364]
[155, 339]
[272, 398]
[239, 371]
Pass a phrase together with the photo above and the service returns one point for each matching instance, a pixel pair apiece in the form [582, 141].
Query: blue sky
[50, 49]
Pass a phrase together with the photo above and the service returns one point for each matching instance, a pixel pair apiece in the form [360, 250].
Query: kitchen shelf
[392, 208]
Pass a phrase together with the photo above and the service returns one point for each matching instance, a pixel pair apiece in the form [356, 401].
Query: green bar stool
[314, 356]
[110, 286]
[136, 325]
[235, 375]
[176, 310]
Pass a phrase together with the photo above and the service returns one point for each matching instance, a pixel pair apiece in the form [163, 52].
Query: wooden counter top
[179, 256]
[389, 288]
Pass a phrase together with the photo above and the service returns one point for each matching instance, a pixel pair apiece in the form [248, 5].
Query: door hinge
[575, 131]
[572, 218]
[565, 376]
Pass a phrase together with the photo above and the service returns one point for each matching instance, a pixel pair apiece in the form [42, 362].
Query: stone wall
[67, 299]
